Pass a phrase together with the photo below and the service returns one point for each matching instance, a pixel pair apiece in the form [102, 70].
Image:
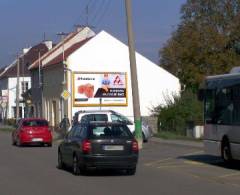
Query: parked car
[32, 131]
[111, 116]
[99, 145]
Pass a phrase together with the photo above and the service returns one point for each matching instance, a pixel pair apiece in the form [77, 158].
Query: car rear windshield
[94, 117]
[35, 123]
[105, 131]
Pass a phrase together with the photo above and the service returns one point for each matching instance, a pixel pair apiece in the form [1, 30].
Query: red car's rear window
[35, 123]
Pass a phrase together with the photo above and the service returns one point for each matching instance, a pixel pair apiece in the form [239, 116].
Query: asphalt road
[163, 169]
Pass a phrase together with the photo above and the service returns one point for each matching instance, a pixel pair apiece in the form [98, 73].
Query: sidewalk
[187, 143]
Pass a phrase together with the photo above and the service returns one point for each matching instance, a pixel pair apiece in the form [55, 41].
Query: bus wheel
[226, 151]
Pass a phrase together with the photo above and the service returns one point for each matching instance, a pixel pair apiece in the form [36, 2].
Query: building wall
[105, 53]
[12, 83]
[36, 92]
[3, 86]
[52, 89]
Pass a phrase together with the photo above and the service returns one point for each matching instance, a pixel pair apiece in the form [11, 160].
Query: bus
[221, 97]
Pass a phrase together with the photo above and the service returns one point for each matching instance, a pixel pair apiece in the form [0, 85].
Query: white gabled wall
[104, 53]
[12, 83]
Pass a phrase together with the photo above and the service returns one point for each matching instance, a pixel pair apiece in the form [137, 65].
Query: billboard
[99, 89]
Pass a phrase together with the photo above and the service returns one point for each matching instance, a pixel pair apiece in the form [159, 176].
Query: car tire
[18, 142]
[60, 161]
[13, 142]
[49, 144]
[75, 166]
[131, 171]
[226, 152]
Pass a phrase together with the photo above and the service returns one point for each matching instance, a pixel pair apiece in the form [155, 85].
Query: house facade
[8, 82]
[54, 77]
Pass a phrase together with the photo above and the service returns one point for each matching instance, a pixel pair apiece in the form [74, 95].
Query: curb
[184, 143]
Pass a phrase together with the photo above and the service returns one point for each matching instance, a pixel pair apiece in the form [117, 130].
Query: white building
[8, 81]
[104, 53]
[87, 62]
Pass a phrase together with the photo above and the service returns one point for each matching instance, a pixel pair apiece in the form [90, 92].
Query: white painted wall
[12, 83]
[104, 53]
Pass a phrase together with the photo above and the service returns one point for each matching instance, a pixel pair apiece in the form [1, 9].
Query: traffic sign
[65, 94]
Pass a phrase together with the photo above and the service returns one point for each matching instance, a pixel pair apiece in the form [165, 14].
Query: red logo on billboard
[118, 80]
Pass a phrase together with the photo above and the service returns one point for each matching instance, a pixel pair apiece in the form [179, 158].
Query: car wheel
[13, 142]
[49, 144]
[226, 152]
[75, 166]
[18, 143]
[131, 171]
[60, 162]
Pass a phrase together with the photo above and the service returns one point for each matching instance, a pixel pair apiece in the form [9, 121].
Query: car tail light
[86, 146]
[135, 146]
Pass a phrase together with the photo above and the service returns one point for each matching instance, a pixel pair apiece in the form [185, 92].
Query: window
[109, 131]
[236, 104]
[24, 86]
[35, 123]
[77, 131]
[209, 106]
[224, 106]
[94, 117]
[120, 118]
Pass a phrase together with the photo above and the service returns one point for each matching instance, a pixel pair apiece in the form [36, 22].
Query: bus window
[224, 106]
[236, 105]
[209, 106]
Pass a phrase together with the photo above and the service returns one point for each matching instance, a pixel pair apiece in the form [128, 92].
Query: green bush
[10, 121]
[179, 112]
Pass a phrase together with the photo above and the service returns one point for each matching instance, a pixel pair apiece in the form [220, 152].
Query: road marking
[157, 161]
[194, 162]
[171, 166]
[167, 159]
[192, 153]
[229, 175]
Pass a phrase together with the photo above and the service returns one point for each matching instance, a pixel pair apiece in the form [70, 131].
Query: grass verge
[174, 136]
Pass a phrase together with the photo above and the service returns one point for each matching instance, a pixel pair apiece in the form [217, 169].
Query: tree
[179, 111]
[207, 41]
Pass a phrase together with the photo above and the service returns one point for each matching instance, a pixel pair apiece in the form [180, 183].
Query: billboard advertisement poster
[100, 89]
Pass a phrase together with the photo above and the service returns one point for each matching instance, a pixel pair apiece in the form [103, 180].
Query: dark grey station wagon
[99, 145]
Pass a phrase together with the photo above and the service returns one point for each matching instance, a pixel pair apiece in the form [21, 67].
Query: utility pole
[17, 90]
[134, 79]
[40, 82]
[62, 35]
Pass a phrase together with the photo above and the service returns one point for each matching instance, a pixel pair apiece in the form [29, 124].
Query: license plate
[112, 147]
[37, 139]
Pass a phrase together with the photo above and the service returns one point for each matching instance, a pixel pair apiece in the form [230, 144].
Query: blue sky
[24, 22]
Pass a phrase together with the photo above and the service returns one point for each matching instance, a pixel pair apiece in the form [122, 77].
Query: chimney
[79, 27]
[49, 44]
[25, 50]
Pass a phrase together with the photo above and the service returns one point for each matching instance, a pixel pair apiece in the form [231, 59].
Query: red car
[32, 131]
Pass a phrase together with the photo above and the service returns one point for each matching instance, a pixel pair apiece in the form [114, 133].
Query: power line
[105, 10]
[98, 6]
